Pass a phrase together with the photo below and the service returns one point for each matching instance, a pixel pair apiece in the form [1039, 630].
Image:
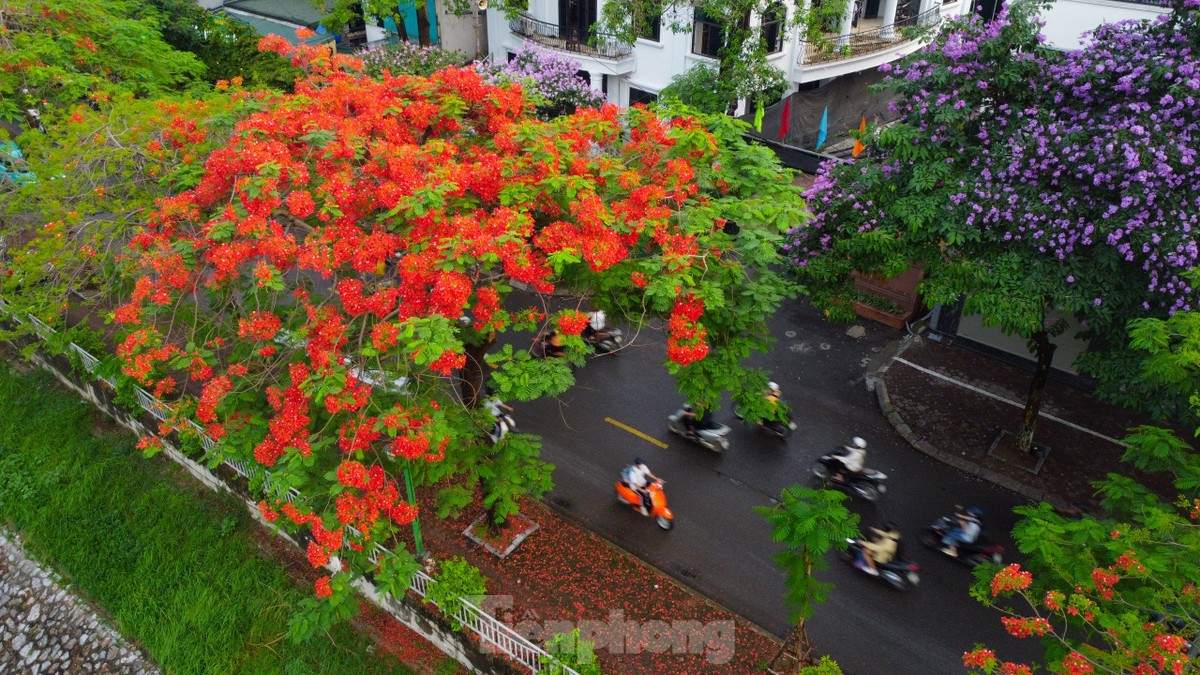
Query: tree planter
[504, 542]
[876, 314]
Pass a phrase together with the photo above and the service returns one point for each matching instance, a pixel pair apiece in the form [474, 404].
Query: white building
[869, 35]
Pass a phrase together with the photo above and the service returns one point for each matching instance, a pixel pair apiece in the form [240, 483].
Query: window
[772, 28]
[641, 96]
[707, 36]
[650, 27]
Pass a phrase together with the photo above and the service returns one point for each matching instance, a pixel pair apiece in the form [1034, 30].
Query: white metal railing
[488, 628]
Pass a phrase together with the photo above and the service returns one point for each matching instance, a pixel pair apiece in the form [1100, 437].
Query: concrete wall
[1067, 20]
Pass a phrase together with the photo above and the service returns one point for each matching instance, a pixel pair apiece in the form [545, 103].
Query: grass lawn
[173, 564]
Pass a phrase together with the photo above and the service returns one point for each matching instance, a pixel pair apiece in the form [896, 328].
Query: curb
[878, 379]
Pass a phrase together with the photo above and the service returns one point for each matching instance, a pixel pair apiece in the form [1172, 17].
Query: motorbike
[899, 573]
[712, 435]
[779, 428]
[600, 336]
[658, 502]
[543, 349]
[983, 550]
[868, 483]
[604, 341]
[503, 425]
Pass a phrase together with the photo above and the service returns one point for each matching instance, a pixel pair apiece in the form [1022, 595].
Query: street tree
[808, 523]
[55, 54]
[1034, 183]
[335, 282]
[1116, 592]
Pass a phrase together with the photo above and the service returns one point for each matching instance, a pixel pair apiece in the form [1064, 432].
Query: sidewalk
[950, 403]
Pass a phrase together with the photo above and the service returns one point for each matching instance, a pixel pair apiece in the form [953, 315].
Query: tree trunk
[422, 8]
[795, 653]
[470, 378]
[1044, 352]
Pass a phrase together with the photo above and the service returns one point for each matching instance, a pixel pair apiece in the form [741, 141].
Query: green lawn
[172, 562]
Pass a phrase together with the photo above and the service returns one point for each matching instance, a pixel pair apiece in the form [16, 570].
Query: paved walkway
[44, 628]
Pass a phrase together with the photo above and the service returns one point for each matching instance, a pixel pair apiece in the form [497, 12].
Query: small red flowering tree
[1118, 593]
[332, 286]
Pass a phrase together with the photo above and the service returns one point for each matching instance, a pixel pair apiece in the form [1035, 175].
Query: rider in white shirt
[638, 476]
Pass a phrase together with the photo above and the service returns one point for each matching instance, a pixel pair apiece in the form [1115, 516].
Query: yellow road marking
[635, 432]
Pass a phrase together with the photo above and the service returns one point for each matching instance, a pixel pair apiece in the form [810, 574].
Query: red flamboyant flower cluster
[686, 343]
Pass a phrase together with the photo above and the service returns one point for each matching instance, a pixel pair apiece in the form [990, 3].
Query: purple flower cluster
[551, 79]
[1088, 154]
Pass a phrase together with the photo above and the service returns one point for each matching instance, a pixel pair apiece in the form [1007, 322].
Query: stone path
[46, 629]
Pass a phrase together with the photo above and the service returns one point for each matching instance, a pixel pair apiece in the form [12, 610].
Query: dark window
[707, 36]
[772, 28]
[650, 27]
[641, 96]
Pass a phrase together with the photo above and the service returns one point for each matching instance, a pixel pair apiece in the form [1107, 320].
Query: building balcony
[869, 37]
[588, 44]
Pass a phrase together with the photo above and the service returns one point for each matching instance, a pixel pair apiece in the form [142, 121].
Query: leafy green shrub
[456, 580]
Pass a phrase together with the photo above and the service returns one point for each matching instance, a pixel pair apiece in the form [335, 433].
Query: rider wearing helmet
[638, 476]
[773, 394]
[852, 460]
[969, 527]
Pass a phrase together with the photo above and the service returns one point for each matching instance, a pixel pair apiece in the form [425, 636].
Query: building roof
[266, 26]
[296, 12]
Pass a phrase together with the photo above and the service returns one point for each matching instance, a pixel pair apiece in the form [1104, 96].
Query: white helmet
[858, 443]
[772, 386]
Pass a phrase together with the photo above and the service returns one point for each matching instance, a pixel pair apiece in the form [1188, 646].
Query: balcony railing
[869, 41]
[570, 38]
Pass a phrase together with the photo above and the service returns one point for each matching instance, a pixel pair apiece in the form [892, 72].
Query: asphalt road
[721, 548]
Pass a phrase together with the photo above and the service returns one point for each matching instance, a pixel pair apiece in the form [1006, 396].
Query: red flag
[783, 121]
[858, 144]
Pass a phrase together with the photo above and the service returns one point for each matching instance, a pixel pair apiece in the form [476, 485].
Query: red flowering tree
[1116, 593]
[332, 286]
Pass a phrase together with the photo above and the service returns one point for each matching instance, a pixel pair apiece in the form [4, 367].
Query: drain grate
[688, 573]
[561, 502]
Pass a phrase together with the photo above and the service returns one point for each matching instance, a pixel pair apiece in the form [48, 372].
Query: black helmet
[890, 526]
[687, 407]
[637, 460]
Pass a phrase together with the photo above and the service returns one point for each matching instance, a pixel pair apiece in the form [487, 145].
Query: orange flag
[858, 144]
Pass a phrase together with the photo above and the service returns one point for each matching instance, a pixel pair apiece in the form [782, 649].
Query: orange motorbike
[658, 502]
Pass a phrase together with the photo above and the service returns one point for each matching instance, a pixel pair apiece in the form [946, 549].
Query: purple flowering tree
[1029, 181]
[550, 79]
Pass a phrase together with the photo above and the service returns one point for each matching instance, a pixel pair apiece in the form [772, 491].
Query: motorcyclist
[694, 421]
[967, 532]
[852, 461]
[879, 550]
[552, 345]
[594, 330]
[638, 477]
[773, 395]
[498, 409]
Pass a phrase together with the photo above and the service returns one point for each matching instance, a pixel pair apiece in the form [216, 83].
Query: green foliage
[313, 616]
[455, 581]
[141, 540]
[227, 47]
[569, 650]
[826, 666]
[808, 523]
[700, 87]
[55, 54]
